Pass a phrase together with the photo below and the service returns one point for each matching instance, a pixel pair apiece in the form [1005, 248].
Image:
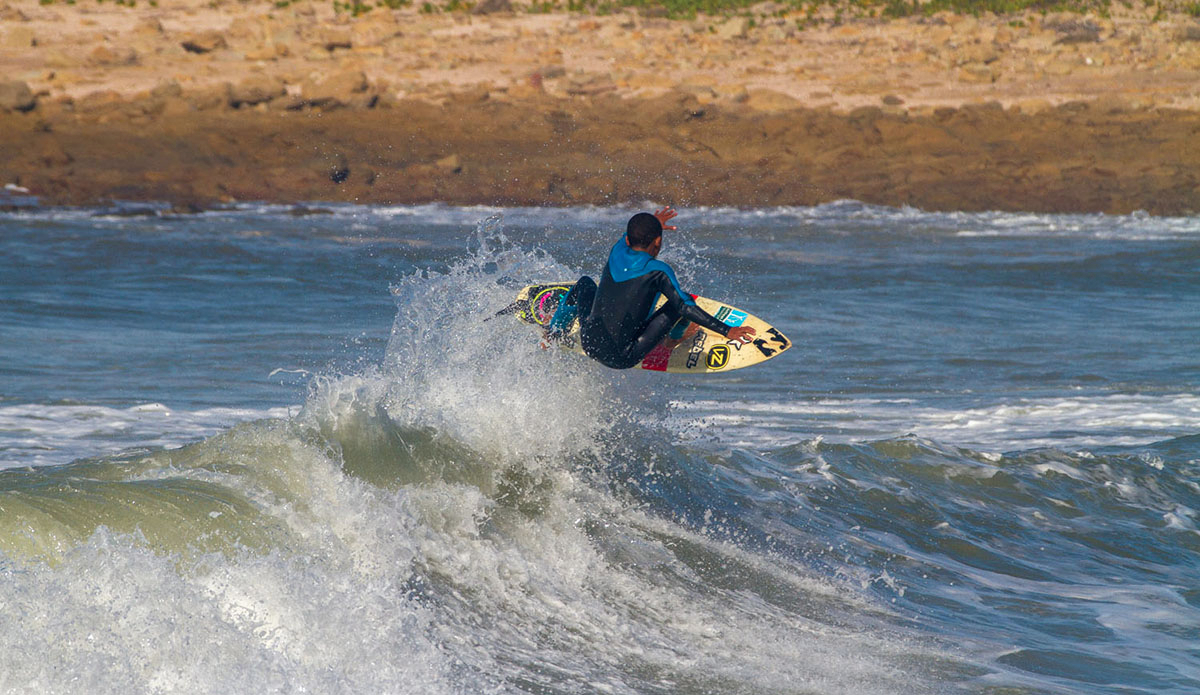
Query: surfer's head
[644, 233]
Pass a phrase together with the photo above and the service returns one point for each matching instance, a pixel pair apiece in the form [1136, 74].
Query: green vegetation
[805, 13]
[843, 9]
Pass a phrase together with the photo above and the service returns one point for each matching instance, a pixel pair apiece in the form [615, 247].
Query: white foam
[1082, 421]
[326, 611]
[38, 434]
[1137, 226]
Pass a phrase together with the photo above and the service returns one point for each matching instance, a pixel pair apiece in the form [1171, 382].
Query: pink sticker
[657, 360]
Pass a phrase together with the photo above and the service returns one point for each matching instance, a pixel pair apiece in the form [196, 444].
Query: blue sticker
[732, 318]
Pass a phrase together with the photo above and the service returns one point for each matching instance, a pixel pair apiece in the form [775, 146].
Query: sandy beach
[199, 103]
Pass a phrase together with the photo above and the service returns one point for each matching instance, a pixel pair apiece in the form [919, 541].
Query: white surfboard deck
[705, 352]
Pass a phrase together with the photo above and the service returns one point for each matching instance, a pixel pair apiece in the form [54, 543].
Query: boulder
[591, 86]
[1074, 30]
[374, 30]
[734, 92]
[9, 13]
[770, 100]
[978, 73]
[148, 27]
[1190, 32]
[210, 97]
[492, 6]
[108, 55]
[18, 37]
[59, 59]
[335, 37]
[733, 28]
[337, 89]
[267, 51]
[99, 102]
[256, 89]
[167, 89]
[203, 42]
[16, 96]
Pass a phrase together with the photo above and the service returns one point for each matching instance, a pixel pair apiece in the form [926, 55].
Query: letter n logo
[718, 356]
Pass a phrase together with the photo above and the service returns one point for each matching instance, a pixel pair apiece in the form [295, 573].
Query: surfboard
[704, 352]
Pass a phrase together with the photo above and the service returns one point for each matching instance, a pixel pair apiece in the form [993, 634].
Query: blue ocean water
[278, 449]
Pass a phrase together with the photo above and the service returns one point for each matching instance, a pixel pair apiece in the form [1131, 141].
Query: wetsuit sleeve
[681, 302]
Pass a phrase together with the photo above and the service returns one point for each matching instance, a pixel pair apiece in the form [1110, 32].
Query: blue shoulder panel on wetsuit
[625, 264]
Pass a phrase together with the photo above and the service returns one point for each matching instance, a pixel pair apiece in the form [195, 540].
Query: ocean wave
[473, 515]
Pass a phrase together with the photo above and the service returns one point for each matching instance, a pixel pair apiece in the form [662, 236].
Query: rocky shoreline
[1053, 114]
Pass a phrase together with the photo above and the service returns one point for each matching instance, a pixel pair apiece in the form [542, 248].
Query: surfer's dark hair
[642, 230]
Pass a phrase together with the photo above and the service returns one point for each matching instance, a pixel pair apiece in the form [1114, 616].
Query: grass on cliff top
[816, 12]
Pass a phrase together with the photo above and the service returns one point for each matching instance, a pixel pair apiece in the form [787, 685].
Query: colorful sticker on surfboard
[718, 357]
[730, 317]
[543, 304]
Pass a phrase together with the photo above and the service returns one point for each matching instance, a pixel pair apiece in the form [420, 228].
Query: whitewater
[276, 449]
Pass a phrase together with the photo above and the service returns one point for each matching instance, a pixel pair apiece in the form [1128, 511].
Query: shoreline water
[198, 104]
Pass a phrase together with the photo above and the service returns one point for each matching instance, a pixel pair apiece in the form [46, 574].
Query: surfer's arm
[682, 303]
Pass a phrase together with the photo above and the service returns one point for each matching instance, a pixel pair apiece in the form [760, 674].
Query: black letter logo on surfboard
[718, 356]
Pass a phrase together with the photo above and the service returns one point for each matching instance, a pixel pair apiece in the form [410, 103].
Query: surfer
[618, 325]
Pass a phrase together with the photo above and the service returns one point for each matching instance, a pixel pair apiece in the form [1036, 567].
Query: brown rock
[1190, 32]
[103, 101]
[338, 89]
[267, 51]
[203, 42]
[16, 96]
[1034, 106]
[523, 90]
[376, 29]
[977, 72]
[210, 97]
[1060, 68]
[19, 37]
[106, 55]
[492, 6]
[335, 37]
[732, 92]
[865, 115]
[734, 28]
[9, 13]
[52, 154]
[591, 87]
[256, 89]
[1111, 104]
[985, 53]
[1074, 30]
[650, 80]
[59, 59]
[148, 27]
[769, 100]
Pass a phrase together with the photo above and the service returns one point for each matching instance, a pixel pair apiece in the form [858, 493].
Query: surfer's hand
[742, 333]
[664, 215]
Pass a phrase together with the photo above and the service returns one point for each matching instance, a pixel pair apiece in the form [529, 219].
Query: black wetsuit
[618, 323]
